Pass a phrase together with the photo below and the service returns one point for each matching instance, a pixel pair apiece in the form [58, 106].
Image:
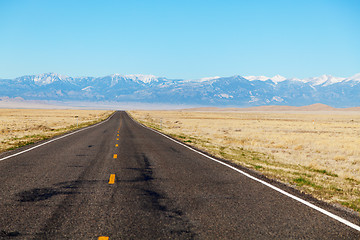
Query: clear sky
[180, 38]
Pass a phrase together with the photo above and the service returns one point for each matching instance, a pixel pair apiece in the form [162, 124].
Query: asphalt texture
[162, 190]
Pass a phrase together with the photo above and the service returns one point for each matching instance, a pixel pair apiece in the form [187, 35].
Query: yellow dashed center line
[112, 179]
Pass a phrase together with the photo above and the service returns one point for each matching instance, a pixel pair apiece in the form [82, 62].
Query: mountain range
[236, 91]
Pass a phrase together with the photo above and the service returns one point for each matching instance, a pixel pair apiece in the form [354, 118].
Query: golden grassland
[317, 153]
[19, 127]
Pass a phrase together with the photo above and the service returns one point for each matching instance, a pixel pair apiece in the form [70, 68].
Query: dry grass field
[19, 127]
[318, 153]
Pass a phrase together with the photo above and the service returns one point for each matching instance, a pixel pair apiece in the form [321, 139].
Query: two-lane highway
[119, 180]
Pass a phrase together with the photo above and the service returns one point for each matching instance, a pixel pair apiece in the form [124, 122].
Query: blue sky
[180, 39]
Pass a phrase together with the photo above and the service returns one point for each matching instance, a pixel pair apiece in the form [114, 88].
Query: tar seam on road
[53, 140]
[329, 214]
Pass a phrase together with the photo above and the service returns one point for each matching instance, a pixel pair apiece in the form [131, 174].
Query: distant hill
[234, 91]
[312, 107]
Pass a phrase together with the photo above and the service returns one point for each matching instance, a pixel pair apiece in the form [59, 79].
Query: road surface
[120, 180]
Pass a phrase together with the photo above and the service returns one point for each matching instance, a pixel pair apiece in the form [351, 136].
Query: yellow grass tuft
[339, 158]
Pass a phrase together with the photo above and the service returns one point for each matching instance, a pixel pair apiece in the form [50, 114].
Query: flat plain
[19, 127]
[316, 152]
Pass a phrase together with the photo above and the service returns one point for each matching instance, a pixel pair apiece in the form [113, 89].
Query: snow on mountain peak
[278, 78]
[116, 75]
[324, 80]
[356, 77]
[253, 78]
[134, 77]
[208, 78]
[275, 79]
[47, 78]
[143, 78]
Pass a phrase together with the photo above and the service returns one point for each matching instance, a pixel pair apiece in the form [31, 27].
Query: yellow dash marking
[115, 155]
[112, 179]
[118, 135]
[103, 238]
[116, 145]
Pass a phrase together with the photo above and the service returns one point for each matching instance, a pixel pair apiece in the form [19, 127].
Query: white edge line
[340, 219]
[55, 139]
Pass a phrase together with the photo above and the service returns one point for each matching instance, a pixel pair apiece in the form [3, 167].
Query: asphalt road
[161, 190]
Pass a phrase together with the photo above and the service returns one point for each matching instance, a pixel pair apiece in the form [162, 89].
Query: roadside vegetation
[20, 127]
[317, 153]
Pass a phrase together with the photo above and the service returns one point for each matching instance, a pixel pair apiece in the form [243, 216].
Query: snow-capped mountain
[356, 77]
[212, 91]
[44, 79]
[275, 79]
[324, 80]
[137, 78]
